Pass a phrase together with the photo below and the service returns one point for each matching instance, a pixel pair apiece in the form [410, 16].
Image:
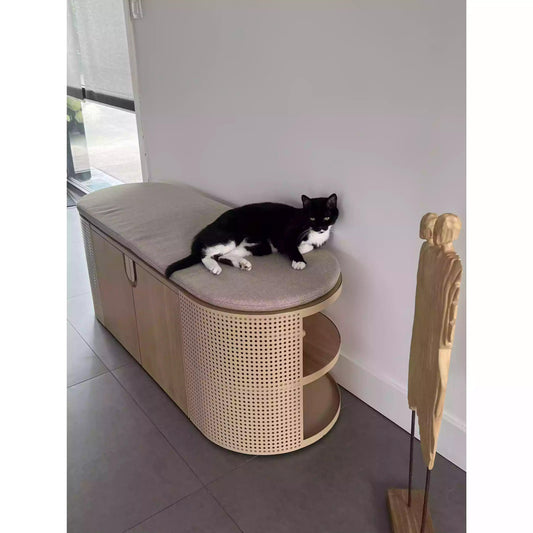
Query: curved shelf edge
[305, 310]
[319, 373]
[322, 406]
[317, 305]
[318, 436]
[321, 347]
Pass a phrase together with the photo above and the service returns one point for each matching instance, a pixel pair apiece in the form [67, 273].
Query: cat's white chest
[314, 240]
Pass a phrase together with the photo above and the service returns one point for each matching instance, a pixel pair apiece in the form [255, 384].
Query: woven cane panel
[243, 378]
[91, 266]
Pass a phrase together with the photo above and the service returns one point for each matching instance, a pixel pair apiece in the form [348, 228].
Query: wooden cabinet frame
[251, 382]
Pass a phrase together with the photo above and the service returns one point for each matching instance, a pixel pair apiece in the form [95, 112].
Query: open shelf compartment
[322, 344]
[322, 404]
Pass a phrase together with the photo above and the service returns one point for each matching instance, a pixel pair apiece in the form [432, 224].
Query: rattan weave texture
[243, 377]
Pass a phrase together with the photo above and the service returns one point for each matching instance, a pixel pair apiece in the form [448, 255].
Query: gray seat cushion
[157, 222]
[271, 285]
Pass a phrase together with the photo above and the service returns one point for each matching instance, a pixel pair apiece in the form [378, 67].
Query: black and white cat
[261, 229]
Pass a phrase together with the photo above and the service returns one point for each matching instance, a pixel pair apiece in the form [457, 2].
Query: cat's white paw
[298, 265]
[244, 264]
[216, 269]
[305, 248]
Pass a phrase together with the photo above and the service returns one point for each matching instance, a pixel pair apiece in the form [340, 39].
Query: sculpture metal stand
[437, 294]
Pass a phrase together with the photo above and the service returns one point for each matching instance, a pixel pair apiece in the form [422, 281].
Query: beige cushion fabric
[271, 285]
[157, 222]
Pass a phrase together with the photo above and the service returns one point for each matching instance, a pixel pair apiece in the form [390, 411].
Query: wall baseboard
[390, 399]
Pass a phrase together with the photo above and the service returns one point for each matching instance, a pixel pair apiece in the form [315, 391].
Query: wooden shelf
[322, 344]
[322, 404]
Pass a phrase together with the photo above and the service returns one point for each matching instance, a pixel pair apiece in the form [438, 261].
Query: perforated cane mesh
[91, 266]
[243, 377]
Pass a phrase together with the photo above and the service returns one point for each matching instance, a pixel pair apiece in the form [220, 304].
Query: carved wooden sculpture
[437, 295]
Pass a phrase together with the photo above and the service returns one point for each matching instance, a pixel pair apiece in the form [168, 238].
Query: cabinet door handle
[131, 274]
[127, 267]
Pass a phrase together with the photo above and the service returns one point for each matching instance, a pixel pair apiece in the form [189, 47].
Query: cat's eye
[326, 218]
[312, 219]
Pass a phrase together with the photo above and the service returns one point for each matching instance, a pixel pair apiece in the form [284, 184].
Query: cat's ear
[332, 201]
[306, 200]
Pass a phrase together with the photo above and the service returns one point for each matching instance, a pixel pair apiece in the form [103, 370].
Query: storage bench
[244, 354]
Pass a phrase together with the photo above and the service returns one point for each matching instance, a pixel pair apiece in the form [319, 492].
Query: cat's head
[320, 212]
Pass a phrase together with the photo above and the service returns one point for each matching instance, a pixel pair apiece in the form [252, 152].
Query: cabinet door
[159, 335]
[116, 294]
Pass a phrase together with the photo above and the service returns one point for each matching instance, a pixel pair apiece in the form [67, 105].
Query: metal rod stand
[411, 456]
[426, 494]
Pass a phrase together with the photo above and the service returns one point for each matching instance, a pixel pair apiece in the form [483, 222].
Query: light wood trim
[159, 331]
[406, 519]
[322, 404]
[322, 344]
[116, 294]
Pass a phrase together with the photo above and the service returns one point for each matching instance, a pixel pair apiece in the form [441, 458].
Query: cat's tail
[181, 264]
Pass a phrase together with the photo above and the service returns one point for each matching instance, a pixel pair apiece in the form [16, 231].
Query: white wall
[254, 101]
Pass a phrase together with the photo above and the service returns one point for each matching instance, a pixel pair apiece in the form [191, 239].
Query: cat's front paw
[216, 269]
[298, 265]
[244, 264]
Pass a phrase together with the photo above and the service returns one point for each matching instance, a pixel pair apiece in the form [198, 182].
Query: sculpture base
[407, 519]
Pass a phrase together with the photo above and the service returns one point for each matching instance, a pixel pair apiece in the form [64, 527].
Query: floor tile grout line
[163, 509]
[95, 354]
[224, 509]
[77, 295]
[158, 429]
[88, 379]
[88, 345]
[241, 465]
[129, 363]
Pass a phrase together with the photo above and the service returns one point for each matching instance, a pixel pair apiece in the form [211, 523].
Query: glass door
[102, 137]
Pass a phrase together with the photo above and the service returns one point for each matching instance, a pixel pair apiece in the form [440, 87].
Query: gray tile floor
[136, 464]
